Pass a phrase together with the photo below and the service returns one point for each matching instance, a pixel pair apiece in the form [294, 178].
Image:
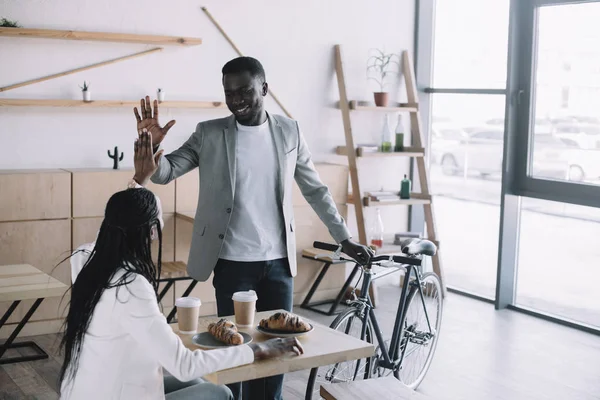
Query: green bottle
[405, 188]
[387, 137]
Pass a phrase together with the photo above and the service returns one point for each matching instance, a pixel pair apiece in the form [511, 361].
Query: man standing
[244, 223]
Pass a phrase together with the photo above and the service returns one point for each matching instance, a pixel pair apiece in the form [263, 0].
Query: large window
[566, 108]
[558, 260]
[511, 104]
[467, 137]
[470, 39]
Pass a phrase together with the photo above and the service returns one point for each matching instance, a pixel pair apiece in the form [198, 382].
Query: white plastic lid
[249, 295]
[188, 302]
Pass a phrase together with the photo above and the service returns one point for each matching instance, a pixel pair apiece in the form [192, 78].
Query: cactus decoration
[115, 157]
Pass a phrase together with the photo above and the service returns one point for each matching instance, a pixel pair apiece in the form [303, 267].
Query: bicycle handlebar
[397, 259]
[326, 246]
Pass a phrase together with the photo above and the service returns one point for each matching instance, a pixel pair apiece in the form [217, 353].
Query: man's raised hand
[149, 121]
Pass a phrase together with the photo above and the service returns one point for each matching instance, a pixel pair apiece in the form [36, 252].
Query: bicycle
[416, 328]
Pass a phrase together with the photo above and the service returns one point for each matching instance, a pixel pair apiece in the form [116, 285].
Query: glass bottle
[399, 131]
[405, 188]
[387, 138]
[377, 235]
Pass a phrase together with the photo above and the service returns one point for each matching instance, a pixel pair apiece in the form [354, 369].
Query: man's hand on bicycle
[357, 251]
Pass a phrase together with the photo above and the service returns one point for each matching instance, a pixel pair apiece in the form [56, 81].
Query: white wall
[294, 41]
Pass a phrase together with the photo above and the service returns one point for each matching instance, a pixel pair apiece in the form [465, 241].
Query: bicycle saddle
[415, 247]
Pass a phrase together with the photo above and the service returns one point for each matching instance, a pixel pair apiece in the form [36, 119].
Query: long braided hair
[123, 244]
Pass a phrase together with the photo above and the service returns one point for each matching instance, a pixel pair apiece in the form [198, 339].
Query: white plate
[282, 334]
[208, 341]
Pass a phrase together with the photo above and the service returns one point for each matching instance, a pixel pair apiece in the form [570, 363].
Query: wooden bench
[25, 282]
[171, 272]
[379, 388]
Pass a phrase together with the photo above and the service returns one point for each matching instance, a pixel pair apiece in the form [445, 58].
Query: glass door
[556, 150]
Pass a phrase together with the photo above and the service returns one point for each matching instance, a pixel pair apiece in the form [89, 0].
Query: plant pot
[381, 99]
[87, 95]
[161, 96]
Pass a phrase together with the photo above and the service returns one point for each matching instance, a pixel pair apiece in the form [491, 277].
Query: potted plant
[7, 23]
[160, 94]
[85, 89]
[379, 66]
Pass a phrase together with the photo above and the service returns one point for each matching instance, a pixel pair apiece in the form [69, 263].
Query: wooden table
[25, 282]
[322, 346]
[380, 389]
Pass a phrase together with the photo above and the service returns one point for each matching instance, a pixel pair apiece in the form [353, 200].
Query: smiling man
[244, 225]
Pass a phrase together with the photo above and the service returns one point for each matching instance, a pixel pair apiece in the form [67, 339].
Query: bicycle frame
[390, 359]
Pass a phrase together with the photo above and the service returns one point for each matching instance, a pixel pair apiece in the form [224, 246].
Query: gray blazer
[212, 148]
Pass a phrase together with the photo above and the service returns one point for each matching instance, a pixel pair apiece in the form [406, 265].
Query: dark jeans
[274, 287]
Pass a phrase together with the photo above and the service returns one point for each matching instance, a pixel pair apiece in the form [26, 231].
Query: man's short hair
[243, 64]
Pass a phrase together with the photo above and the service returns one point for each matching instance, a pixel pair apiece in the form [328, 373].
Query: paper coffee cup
[188, 311]
[244, 306]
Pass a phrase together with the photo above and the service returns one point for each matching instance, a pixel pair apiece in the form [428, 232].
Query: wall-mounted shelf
[397, 107]
[106, 103]
[100, 36]
[360, 152]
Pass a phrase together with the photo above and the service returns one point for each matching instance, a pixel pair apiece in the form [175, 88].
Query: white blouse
[128, 343]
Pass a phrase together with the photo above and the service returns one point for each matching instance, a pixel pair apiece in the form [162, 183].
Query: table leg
[165, 290]
[185, 294]
[334, 303]
[315, 285]
[8, 344]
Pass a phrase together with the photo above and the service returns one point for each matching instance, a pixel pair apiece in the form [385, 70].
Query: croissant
[225, 331]
[284, 321]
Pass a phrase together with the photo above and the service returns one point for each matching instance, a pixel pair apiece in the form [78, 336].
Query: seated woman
[116, 339]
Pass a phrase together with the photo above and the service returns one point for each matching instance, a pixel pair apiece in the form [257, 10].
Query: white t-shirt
[256, 229]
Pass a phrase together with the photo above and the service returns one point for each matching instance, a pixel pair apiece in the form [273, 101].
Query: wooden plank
[237, 50]
[42, 244]
[320, 255]
[322, 346]
[33, 291]
[93, 187]
[35, 195]
[173, 269]
[7, 271]
[80, 69]
[344, 105]
[107, 103]
[416, 198]
[360, 152]
[380, 388]
[100, 36]
[28, 380]
[367, 106]
[419, 141]
[8, 388]
[85, 230]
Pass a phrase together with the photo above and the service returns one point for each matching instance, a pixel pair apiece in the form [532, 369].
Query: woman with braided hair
[116, 340]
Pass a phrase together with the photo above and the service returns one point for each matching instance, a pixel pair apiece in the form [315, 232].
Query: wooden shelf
[100, 36]
[397, 107]
[415, 198]
[105, 103]
[408, 152]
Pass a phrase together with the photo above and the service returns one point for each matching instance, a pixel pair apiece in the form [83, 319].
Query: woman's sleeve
[141, 318]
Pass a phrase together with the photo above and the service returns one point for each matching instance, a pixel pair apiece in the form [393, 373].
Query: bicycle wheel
[350, 323]
[417, 338]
